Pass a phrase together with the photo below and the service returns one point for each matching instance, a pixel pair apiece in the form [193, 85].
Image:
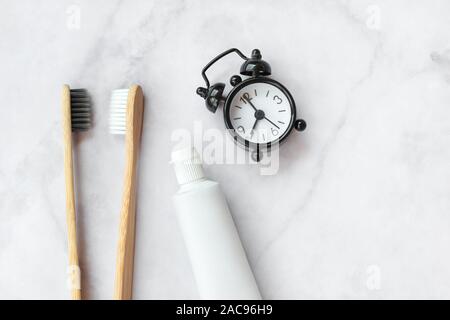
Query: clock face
[260, 111]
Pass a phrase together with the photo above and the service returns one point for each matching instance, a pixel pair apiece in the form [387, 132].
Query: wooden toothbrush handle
[125, 250]
[73, 269]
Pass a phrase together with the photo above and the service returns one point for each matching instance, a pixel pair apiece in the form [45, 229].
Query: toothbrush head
[80, 109]
[118, 111]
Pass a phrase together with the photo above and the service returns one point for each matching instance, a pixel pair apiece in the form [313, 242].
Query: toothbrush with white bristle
[127, 107]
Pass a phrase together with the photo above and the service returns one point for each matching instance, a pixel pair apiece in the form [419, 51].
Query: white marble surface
[360, 207]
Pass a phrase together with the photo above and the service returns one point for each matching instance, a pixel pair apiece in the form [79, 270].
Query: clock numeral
[267, 94]
[277, 99]
[245, 97]
[241, 129]
[274, 132]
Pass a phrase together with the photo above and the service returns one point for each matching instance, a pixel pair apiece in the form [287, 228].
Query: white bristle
[118, 108]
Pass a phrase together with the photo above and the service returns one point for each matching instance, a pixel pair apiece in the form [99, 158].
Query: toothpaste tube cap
[187, 165]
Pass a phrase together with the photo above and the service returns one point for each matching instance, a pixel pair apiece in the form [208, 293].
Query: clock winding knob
[235, 80]
[300, 125]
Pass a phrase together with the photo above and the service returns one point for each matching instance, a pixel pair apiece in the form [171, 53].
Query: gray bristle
[80, 105]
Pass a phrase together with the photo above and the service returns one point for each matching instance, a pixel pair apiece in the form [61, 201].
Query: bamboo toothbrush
[76, 111]
[127, 107]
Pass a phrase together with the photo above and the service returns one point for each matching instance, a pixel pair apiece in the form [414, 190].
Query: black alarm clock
[259, 111]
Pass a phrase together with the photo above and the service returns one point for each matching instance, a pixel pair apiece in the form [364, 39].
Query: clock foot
[256, 156]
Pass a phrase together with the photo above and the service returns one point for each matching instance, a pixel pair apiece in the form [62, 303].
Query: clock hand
[253, 106]
[254, 125]
[253, 129]
[248, 100]
[272, 123]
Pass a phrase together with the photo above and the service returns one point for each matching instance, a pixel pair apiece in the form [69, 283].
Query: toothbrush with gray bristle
[76, 112]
